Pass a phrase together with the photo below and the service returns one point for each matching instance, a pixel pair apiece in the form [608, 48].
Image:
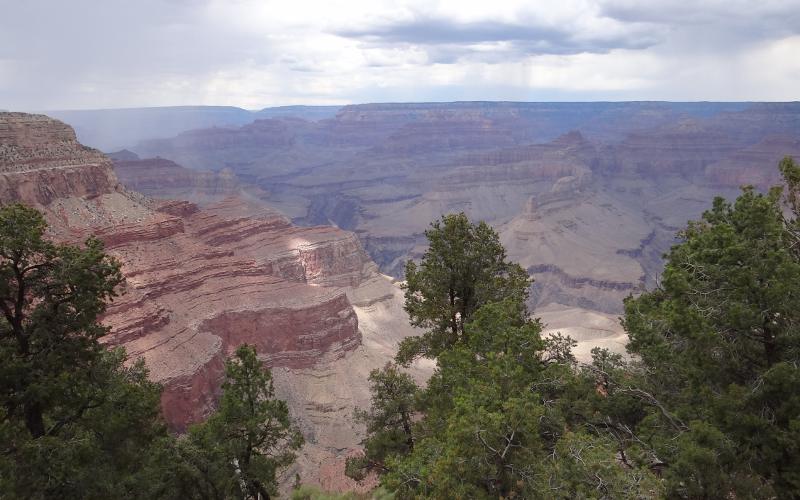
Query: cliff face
[612, 182]
[41, 160]
[737, 169]
[165, 179]
[202, 281]
[188, 304]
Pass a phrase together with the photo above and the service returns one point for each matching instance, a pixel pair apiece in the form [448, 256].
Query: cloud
[449, 40]
[255, 53]
[740, 21]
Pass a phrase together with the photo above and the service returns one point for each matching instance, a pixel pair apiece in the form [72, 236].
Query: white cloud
[255, 53]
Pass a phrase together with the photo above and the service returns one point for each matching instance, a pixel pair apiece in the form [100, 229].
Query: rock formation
[611, 183]
[201, 281]
[165, 179]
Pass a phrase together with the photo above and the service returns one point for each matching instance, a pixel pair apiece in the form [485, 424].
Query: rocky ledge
[199, 282]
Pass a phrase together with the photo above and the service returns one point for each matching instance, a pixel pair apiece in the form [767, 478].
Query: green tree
[388, 421]
[75, 422]
[585, 465]
[491, 421]
[496, 412]
[464, 268]
[719, 344]
[238, 451]
[50, 298]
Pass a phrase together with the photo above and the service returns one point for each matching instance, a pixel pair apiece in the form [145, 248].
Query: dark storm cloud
[450, 38]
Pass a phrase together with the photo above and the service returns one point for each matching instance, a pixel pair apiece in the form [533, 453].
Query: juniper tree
[75, 421]
[719, 343]
[464, 267]
[239, 450]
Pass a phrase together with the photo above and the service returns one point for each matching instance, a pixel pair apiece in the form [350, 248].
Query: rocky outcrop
[41, 161]
[32, 142]
[41, 186]
[202, 283]
[165, 179]
[199, 282]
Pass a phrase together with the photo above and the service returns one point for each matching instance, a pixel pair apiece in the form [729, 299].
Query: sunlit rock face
[200, 281]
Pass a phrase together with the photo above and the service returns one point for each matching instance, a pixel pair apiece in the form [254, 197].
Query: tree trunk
[407, 429]
[34, 420]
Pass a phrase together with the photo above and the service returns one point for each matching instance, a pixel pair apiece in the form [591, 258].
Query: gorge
[587, 196]
[289, 232]
[200, 282]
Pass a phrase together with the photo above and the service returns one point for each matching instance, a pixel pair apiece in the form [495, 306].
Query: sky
[88, 54]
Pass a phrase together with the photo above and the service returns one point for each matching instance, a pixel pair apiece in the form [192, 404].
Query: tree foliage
[719, 344]
[388, 421]
[496, 412]
[464, 268]
[238, 451]
[74, 419]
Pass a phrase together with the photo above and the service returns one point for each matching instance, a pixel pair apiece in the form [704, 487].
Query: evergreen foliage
[388, 421]
[496, 418]
[75, 422]
[464, 268]
[498, 413]
[719, 344]
[238, 451]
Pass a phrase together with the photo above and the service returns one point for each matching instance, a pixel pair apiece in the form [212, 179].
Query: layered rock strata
[201, 281]
[629, 175]
[164, 179]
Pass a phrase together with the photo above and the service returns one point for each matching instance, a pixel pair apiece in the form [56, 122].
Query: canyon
[586, 196]
[288, 229]
[200, 281]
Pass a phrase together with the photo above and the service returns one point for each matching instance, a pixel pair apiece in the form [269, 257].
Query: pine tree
[239, 450]
[75, 422]
[464, 268]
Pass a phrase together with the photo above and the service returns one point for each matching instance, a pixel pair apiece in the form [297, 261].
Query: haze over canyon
[288, 228]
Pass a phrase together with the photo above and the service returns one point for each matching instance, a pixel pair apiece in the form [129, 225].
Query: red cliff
[198, 282]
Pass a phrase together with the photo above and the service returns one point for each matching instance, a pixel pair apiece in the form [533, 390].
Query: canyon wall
[200, 281]
[164, 179]
[588, 196]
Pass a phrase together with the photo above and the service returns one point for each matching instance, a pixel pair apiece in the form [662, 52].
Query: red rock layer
[44, 185]
[198, 282]
[29, 142]
[41, 160]
[200, 285]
